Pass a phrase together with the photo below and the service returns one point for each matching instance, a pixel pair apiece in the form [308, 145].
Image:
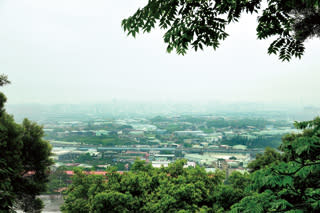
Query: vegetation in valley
[258, 142]
[58, 179]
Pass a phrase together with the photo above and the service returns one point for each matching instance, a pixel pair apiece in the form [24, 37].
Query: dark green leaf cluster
[4, 80]
[148, 189]
[199, 23]
[24, 162]
[290, 181]
[262, 160]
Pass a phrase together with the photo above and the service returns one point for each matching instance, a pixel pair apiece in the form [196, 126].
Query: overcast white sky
[75, 51]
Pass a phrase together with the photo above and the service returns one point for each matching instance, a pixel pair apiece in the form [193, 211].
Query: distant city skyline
[122, 109]
[75, 52]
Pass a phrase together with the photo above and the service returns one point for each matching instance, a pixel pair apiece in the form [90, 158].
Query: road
[173, 149]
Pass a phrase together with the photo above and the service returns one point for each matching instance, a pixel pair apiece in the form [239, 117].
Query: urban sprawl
[213, 142]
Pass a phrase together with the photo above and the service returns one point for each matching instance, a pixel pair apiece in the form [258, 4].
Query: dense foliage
[199, 23]
[262, 160]
[292, 180]
[148, 189]
[280, 181]
[24, 162]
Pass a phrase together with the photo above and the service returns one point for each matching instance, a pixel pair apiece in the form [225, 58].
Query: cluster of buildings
[159, 142]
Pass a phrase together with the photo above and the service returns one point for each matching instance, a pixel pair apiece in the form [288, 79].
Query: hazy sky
[75, 51]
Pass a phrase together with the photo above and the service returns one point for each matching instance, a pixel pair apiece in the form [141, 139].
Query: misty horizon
[75, 52]
[124, 109]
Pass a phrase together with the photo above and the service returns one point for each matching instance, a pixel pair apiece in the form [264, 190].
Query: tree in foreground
[148, 189]
[24, 161]
[198, 23]
[269, 156]
[291, 184]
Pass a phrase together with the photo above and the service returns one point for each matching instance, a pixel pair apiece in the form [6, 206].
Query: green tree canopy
[269, 156]
[148, 189]
[293, 183]
[24, 161]
[198, 23]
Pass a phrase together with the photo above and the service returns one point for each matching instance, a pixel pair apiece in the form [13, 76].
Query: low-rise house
[164, 157]
[239, 147]
[225, 146]
[188, 133]
[102, 132]
[159, 164]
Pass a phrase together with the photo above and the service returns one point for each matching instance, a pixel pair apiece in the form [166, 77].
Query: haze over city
[76, 52]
